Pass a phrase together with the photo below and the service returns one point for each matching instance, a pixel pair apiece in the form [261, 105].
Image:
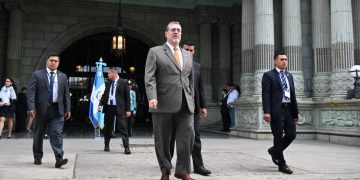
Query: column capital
[15, 5]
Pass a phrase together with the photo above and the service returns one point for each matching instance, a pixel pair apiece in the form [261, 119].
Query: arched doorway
[81, 55]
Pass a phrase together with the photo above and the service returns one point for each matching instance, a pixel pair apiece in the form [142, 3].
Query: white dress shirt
[179, 51]
[287, 83]
[55, 89]
[112, 96]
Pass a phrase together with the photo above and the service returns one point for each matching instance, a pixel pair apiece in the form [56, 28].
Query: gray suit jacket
[39, 92]
[165, 81]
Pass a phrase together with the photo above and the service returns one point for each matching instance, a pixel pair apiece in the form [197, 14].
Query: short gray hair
[172, 22]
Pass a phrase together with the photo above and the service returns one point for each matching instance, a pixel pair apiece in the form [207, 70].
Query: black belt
[287, 104]
[52, 104]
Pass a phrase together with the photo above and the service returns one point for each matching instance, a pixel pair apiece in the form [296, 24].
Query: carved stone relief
[321, 86]
[247, 85]
[299, 83]
[248, 119]
[340, 118]
[305, 118]
[340, 82]
[257, 82]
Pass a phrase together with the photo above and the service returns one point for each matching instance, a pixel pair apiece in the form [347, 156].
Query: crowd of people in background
[14, 104]
[228, 95]
[14, 109]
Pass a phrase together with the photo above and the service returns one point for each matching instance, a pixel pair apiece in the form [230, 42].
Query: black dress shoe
[107, 149]
[285, 169]
[127, 150]
[37, 162]
[272, 154]
[60, 163]
[202, 170]
[113, 135]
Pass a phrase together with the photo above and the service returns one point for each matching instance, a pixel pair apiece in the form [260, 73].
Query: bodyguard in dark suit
[49, 103]
[170, 89]
[21, 111]
[224, 109]
[280, 108]
[116, 103]
[200, 111]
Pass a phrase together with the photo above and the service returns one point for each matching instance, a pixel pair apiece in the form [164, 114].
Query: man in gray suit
[170, 91]
[49, 103]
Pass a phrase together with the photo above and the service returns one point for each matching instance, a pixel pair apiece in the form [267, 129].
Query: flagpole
[97, 118]
[97, 133]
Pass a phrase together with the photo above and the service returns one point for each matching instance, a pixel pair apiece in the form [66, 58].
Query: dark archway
[83, 53]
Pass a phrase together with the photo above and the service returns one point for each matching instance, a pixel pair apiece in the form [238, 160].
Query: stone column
[14, 43]
[292, 41]
[264, 41]
[322, 46]
[356, 21]
[247, 48]
[205, 50]
[342, 47]
[236, 50]
[224, 55]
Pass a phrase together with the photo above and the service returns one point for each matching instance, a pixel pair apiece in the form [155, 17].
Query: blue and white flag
[96, 117]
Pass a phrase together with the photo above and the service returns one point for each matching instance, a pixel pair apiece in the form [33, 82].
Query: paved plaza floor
[226, 156]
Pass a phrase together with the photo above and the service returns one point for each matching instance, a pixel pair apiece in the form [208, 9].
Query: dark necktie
[51, 86]
[283, 81]
[112, 93]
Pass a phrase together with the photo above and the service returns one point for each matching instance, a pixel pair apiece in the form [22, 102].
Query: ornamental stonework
[340, 118]
[340, 82]
[321, 86]
[305, 118]
[299, 84]
[248, 118]
[247, 84]
[257, 82]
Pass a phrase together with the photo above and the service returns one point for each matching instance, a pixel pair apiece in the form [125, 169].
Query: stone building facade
[236, 41]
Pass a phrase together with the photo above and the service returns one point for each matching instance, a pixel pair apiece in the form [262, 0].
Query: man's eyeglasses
[175, 29]
[7, 81]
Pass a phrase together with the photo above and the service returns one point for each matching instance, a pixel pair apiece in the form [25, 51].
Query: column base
[341, 81]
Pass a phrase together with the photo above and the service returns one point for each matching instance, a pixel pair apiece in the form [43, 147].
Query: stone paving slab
[229, 159]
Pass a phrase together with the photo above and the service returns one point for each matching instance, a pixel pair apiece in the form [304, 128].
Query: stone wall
[3, 40]
[52, 26]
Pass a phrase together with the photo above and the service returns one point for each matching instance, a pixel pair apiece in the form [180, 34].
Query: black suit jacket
[21, 103]
[272, 94]
[122, 97]
[200, 101]
[39, 92]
